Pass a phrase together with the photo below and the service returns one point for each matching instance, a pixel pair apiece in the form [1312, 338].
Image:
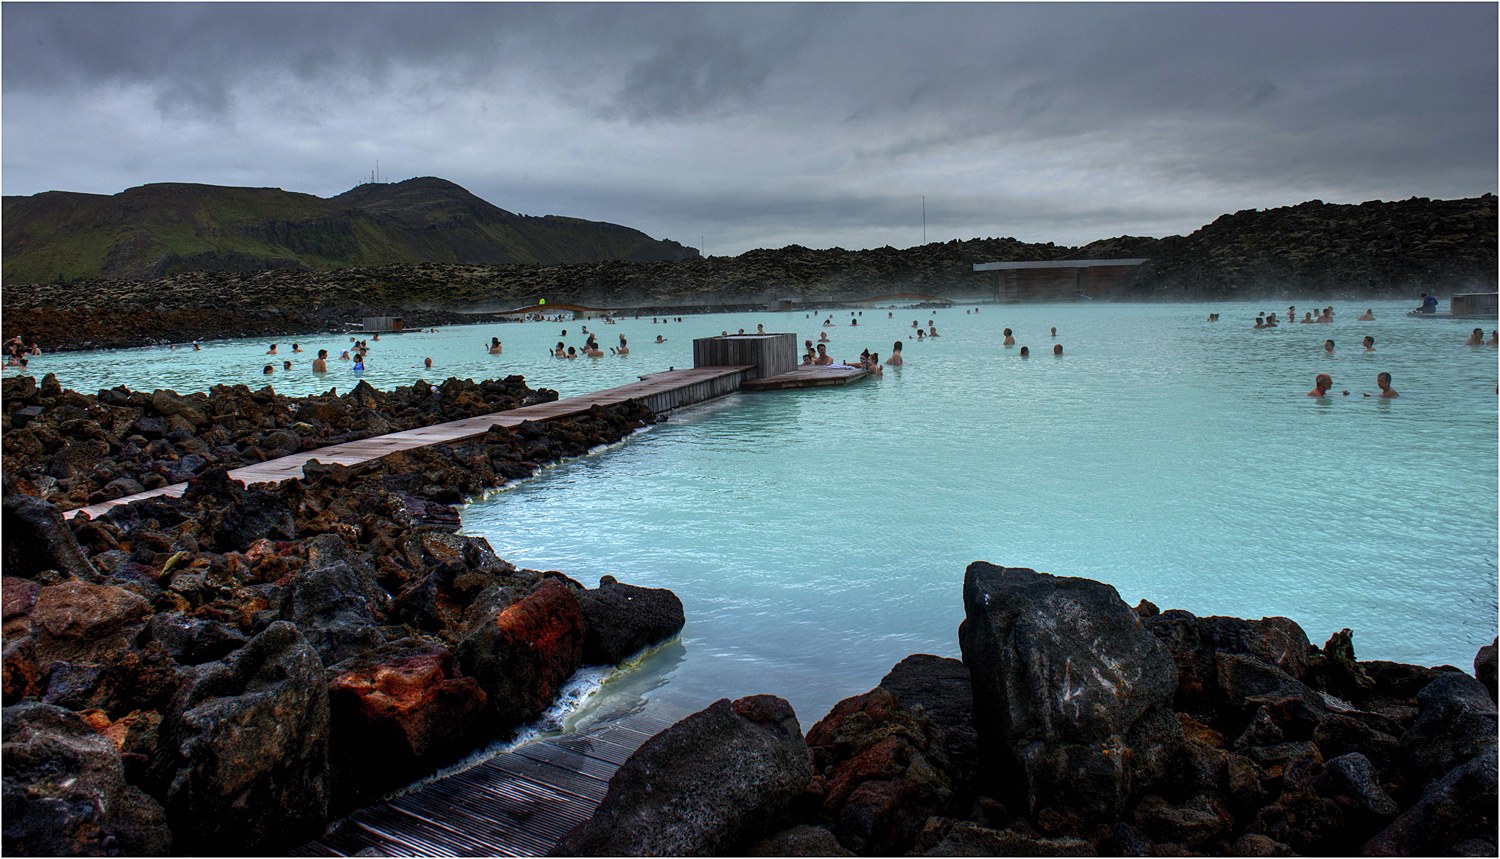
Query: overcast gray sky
[762, 125]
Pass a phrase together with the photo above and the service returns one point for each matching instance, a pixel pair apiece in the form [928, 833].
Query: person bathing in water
[895, 359]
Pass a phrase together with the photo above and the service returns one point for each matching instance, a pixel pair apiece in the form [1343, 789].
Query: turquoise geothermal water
[817, 537]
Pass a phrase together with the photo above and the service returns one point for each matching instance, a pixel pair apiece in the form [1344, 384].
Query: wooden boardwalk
[514, 804]
[659, 391]
[807, 377]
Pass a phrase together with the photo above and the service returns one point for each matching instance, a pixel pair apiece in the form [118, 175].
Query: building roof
[1066, 263]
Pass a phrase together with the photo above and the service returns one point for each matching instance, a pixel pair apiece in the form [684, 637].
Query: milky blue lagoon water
[817, 537]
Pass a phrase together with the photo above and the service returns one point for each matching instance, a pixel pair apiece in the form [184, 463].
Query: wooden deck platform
[660, 392]
[807, 377]
[514, 804]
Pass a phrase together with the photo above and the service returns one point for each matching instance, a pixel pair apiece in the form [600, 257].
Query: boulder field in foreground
[1077, 726]
[222, 673]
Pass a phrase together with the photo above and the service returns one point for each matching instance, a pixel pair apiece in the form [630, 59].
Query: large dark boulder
[65, 791]
[1457, 722]
[38, 538]
[711, 784]
[395, 711]
[622, 619]
[522, 654]
[335, 601]
[1072, 696]
[939, 690]
[81, 622]
[1196, 643]
[243, 765]
[1454, 816]
[194, 640]
[877, 779]
[1485, 667]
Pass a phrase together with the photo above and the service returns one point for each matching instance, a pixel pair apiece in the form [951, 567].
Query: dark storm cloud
[822, 122]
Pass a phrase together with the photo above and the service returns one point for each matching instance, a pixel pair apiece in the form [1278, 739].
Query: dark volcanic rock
[37, 538]
[1485, 666]
[523, 654]
[244, 758]
[939, 690]
[711, 784]
[1457, 722]
[395, 710]
[335, 601]
[1071, 696]
[1455, 816]
[65, 792]
[622, 619]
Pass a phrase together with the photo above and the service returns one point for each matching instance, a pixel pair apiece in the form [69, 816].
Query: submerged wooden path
[518, 803]
[659, 391]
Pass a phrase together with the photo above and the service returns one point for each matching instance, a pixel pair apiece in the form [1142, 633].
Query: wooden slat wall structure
[518, 803]
[771, 354]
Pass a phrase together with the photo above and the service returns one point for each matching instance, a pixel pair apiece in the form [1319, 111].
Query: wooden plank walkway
[807, 377]
[514, 804]
[659, 391]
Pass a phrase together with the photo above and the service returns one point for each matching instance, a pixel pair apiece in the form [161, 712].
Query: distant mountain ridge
[164, 229]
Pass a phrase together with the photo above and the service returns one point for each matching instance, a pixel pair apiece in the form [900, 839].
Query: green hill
[171, 228]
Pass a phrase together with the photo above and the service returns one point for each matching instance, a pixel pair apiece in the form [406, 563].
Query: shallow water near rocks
[818, 537]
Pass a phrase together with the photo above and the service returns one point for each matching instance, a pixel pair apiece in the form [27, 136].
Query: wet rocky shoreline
[1075, 725]
[223, 672]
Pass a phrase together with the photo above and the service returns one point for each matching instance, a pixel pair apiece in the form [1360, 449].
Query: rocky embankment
[1373, 249]
[221, 673]
[75, 449]
[1077, 726]
[124, 324]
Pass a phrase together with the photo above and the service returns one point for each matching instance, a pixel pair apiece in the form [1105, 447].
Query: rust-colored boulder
[394, 711]
[523, 654]
[82, 622]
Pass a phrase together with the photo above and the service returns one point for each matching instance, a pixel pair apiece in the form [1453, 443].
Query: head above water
[1327, 345]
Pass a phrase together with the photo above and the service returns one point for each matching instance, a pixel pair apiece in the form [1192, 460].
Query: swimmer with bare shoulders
[1367, 316]
[1322, 383]
[660, 339]
[1383, 381]
[1494, 338]
[895, 359]
[824, 359]
[1475, 339]
[495, 346]
[1010, 339]
[272, 350]
[1369, 343]
[1328, 346]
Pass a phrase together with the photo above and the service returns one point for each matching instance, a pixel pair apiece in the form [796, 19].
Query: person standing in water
[1321, 385]
[1369, 343]
[494, 345]
[1010, 339]
[895, 359]
[1383, 381]
[1475, 339]
[1367, 316]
